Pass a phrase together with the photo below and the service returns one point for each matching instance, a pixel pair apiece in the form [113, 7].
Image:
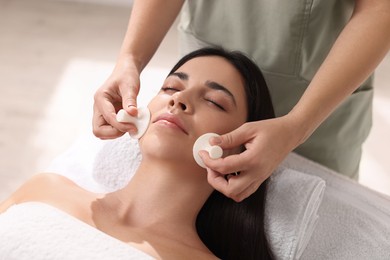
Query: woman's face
[206, 94]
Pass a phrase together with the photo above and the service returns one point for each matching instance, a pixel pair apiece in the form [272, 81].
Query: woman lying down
[168, 210]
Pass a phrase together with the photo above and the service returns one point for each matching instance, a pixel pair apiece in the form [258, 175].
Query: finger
[233, 139]
[108, 127]
[102, 129]
[132, 110]
[252, 188]
[241, 186]
[104, 106]
[233, 187]
[129, 99]
[217, 180]
[229, 164]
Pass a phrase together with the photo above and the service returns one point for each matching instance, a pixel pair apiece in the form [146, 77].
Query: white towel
[354, 221]
[116, 162]
[35, 230]
[76, 163]
[293, 199]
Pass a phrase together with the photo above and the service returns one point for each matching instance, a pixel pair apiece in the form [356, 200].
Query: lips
[172, 119]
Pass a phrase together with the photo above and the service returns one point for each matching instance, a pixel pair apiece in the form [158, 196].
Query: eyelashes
[215, 104]
[172, 90]
[169, 89]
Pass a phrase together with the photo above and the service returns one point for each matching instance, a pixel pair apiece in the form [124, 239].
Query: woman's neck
[162, 197]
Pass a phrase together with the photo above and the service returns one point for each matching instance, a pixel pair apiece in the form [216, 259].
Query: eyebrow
[180, 75]
[210, 84]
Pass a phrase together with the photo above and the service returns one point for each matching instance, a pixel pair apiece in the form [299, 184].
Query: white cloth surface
[292, 201]
[116, 162]
[34, 230]
[354, 221]
[291, 215]
[76, 163]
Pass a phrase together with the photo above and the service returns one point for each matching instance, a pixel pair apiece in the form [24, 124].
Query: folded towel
[116, 162]
[35, 230]
[354, 222]
[291, 206]
[76, 163]
[293, 199]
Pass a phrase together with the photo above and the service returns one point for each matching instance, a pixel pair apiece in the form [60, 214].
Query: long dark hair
[229, 229]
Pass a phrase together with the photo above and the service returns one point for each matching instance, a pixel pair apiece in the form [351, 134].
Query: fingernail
[216, 140]
[133, 131]
[131, 107]
[202, 153]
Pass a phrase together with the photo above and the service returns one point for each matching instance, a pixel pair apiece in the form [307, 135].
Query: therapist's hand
[119, 91]
[267, 143]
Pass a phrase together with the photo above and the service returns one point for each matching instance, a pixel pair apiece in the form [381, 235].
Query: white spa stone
[141, 122]
[202, 143]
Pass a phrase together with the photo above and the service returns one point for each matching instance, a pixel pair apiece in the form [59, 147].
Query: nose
[180, 102]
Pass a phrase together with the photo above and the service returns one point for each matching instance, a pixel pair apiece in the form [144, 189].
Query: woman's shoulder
[46, 180]
[43, 186]
[48, 188]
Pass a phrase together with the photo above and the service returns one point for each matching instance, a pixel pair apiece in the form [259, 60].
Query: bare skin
[159, 219]
[96, 210]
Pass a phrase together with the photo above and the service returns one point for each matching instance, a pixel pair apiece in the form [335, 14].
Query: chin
[166, 146]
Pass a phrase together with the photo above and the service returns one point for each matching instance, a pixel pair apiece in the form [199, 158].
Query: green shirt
[288, 39]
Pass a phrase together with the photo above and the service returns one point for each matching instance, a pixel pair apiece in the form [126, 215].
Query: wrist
[301, 125]
[128, 62]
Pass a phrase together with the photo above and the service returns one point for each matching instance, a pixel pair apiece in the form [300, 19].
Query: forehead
[217, 69]
[212, 67]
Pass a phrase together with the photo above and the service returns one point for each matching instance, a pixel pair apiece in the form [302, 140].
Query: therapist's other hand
[267, 143]
[119, 91]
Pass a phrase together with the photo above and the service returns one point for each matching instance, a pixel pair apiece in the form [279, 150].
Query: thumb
[129, 100]
[233, 139]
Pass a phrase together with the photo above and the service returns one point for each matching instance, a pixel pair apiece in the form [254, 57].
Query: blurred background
[54, 54]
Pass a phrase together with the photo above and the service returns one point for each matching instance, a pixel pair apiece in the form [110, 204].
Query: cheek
[155, 104]
[159, 101]
[218, 123]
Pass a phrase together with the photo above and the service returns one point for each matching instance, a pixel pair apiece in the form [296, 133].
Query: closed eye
[169, 89]
[216, 104]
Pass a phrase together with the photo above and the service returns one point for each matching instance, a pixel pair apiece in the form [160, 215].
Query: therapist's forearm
[149, 22]
[360, 47]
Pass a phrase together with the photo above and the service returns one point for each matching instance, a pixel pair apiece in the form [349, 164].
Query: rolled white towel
[116, 162]
[292, 203]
